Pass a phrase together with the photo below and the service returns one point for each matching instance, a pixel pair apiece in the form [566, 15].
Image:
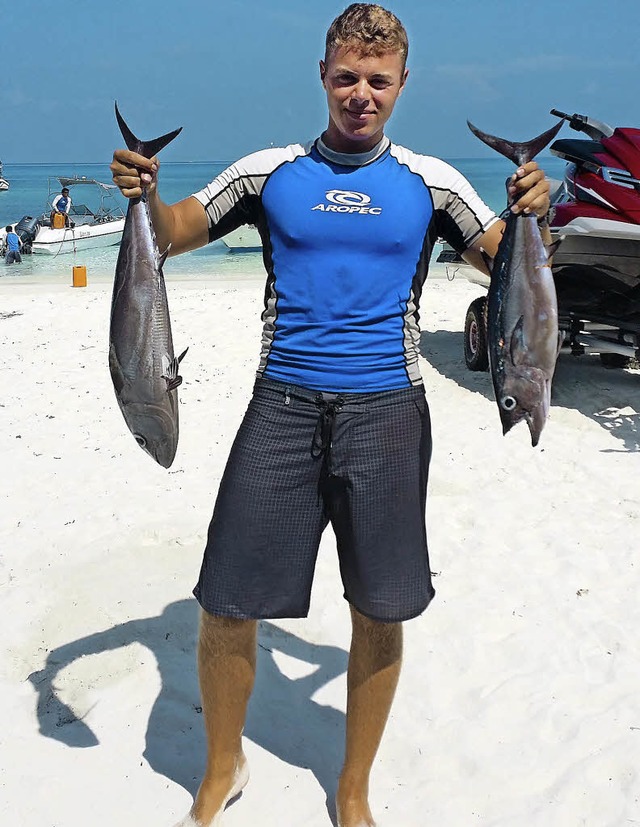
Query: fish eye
[142, 442]
[508, 403]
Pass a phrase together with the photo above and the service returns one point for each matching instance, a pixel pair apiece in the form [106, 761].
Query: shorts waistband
[275, 389]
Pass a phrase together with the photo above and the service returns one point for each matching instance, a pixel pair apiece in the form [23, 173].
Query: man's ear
[323, 71]
[404, 80]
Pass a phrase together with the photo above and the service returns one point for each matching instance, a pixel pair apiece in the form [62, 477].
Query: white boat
[4, 184]
[75, 239]
[245, 239]
[100, 225]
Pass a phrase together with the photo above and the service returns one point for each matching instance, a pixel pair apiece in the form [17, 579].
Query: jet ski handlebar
[582, 123]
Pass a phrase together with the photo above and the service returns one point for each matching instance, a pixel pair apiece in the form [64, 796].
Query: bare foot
[211, 800]
[353, 812]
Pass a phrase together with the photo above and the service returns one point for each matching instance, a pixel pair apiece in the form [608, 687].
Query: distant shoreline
[452, 160]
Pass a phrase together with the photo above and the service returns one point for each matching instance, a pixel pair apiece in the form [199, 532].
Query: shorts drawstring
[323, 434]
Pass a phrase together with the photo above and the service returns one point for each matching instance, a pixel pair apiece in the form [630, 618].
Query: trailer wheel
[476, 354]
[615, 360]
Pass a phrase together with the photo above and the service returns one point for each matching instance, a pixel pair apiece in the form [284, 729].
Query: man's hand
[529, 189]
[132, 173]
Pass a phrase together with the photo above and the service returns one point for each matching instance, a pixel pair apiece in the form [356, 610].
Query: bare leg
[227, 668]
[374, 668]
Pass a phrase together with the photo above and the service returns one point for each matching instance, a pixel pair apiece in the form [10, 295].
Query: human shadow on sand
[282, 718]
[580, 382]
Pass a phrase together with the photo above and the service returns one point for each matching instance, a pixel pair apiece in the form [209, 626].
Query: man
[61, 205]
[338, 427]
[13, 245]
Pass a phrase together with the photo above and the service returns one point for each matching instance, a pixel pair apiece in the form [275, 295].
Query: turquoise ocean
[29, 188]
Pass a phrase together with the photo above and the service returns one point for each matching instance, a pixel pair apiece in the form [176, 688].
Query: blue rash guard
[346, 245]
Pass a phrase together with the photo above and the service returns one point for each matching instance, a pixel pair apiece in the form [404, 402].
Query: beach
[518, 703]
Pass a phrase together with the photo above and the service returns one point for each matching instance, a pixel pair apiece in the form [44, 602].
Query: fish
[143, 367]
[522, 306]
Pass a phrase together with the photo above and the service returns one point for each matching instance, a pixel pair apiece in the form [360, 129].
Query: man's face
[65, 193]
[361, 93]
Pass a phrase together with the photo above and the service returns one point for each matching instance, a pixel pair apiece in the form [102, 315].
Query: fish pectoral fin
[518, 346]
[551, 248]
[487, 260]
[163, 258]
[170, 371]
[182, 355]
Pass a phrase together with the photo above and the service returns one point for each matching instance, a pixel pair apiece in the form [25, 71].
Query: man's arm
[183, 225]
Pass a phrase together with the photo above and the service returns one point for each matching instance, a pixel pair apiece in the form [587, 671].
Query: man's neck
[351, 158]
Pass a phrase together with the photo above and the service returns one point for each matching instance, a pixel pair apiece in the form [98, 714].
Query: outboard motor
[27, 229]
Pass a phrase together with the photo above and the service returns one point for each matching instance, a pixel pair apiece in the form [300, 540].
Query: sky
[243, 74]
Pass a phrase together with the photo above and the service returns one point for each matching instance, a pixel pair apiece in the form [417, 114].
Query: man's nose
[361, 91]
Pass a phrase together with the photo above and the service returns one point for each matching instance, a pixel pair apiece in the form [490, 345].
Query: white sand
[519, 703]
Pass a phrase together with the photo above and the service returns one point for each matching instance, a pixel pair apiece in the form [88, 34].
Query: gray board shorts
[300, 460]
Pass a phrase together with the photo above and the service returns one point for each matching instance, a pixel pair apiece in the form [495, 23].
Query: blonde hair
[369, 29]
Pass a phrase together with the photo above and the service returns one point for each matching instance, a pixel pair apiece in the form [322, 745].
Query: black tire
[476, 354]
[615, 360]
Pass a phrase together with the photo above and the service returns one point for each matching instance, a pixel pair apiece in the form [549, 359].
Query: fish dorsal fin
[146, 148]
[518, 346]
[519, 153]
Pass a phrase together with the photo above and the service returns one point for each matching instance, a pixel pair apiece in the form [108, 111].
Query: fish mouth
[154, 430]
[535, 420]
[527, 396]
[163, 452]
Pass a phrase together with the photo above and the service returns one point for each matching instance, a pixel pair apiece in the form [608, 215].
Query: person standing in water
[13, 247]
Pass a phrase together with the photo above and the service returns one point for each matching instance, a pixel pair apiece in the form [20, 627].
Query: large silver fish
[143, 367]
[522, 318]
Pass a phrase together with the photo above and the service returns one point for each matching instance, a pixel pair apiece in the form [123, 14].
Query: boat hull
[74, 239]
[245, 239]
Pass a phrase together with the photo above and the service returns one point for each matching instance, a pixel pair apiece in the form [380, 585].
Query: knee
[383, 638]
[226, 635]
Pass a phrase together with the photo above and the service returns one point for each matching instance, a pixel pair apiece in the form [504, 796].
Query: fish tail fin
[146, 148]
[519, 153]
